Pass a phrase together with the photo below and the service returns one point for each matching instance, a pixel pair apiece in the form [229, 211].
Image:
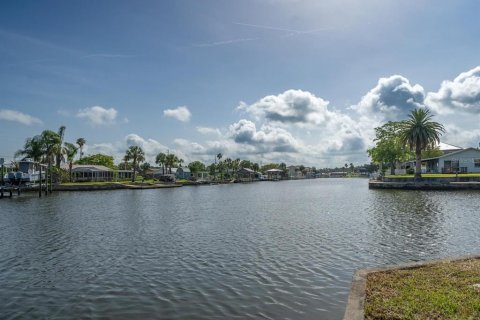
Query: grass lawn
[435, 175]
[90, 183]
[440, 291]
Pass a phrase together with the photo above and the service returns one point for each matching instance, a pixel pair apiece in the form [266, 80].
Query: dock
[9, 191]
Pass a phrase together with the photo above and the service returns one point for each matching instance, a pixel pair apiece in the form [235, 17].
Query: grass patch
[440, 291]
[435, 175]
[89, 183]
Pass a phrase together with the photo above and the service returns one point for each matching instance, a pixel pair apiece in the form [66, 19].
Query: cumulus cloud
[266, 139]
[207, 130]
[98, 115]
[297, 107]
[19, 117]
[181, 113]
[151, 147]
[391, 99]
[461, 94]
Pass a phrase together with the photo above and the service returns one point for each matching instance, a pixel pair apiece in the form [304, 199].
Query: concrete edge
[356, 297]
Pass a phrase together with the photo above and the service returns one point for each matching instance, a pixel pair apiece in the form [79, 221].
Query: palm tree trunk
[70, 169]
[418, 163]
[134, 169]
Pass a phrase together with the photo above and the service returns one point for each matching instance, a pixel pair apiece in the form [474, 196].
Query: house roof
[88, 168]
[445, 146]
[452, 153]
[274, 170]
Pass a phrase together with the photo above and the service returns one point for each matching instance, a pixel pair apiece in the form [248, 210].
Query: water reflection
[283, 250]
[405, 225]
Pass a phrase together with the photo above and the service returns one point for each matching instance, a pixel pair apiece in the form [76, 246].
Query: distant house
[201, 176]
[183, 173]
[124, 174]
[460, 161]
[246, 174]
[87, 172]
[274, 174]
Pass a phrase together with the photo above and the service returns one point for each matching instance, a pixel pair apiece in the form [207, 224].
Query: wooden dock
[9, 191]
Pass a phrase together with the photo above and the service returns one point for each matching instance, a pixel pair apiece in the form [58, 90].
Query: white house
[461, 161]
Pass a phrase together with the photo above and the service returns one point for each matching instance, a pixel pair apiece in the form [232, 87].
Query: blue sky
[273, 80]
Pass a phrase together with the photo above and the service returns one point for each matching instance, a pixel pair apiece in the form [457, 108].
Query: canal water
[270, 250]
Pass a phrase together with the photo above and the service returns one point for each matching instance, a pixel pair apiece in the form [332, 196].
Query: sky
[294, 81]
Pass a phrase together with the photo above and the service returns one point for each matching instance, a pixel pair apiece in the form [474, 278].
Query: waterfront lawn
[440, 291]
[435, 175]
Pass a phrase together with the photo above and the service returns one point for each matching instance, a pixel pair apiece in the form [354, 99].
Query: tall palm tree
[171, 160]
[70, 152]
[136, 154]
[161, 159]
[81, 142]
[419, 132]
[33, 148]
[59, 148]
[50, 140]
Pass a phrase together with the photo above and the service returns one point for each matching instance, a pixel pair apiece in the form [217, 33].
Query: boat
[29, 172]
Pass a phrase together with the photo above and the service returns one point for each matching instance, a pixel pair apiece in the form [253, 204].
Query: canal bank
[447, 183]
[364, 302]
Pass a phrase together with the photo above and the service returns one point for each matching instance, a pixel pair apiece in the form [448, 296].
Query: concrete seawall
[426, 184]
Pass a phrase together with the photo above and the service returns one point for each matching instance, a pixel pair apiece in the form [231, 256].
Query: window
[476, 162]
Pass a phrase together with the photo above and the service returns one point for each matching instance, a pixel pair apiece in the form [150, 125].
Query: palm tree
[171, 160]
[136, 154]
[50, 140]
[59, 149]
[70, 152]
[81, 142]
[33, 148]
[219, 156]
[161, 159]
[420, 133]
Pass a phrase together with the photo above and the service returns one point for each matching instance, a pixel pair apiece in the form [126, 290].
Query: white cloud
[391, 99]
[151, 147]
[17, 116]
[181, 113]
[207, 130]
[298, 107]
[98, 115]
[267, 139]
[461, 94]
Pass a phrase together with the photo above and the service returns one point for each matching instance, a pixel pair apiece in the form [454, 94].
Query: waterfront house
[460, 161]
[183, 173]
[274, 174]
[124, 174]
[88, 173]
[246, 174]
[201, 176]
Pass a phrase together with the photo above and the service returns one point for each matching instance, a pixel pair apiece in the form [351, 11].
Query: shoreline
[429, 184]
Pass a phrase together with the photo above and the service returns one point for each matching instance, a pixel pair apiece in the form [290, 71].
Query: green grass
[435, 175]
[89, 183]
[440, 291]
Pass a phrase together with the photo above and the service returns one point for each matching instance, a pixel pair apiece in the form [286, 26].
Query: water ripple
[282, 250]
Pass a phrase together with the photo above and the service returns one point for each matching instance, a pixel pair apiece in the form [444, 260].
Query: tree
[171, 160]
[136, 155]
[161, 160]
[196, 166]
[144, 169]
[70, 152]
[50, 140]
[420, 133]
[389, 148]
[33, 148]
[98, 160]
[59, 148]
[81, 142]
